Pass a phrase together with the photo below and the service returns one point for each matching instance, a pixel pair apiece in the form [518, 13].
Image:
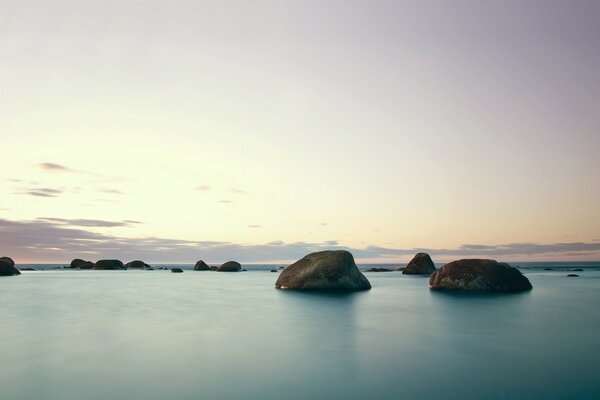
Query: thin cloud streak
[31, 240]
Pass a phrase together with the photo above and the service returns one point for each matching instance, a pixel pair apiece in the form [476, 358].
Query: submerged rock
[324, 270]
[201, 266]
[176, 270]
[573, 275]
[81, 264]
[479, 275]
[273, 270]
[421, 264]
[230, 266]
[108, 264]
[137, 264]
[577, 270]
[28, 269]
[378, 270]
[7, 267]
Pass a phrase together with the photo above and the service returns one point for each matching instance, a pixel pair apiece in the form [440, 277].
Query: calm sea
[110, 335]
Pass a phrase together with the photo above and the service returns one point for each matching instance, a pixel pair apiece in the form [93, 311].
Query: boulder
[421, 264]
[7, 267]
[81, 264]
[201, 266]
[137, 264]
[230, 266]
[108, 264]
[176, 270]
[479, 275]
[324, 270]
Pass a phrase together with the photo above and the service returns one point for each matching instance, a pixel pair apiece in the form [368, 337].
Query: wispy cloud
[225, 201]
[88, 222]
[67, 239]
[254, 226]
[111, 191]
[52, 167]
[203, 188]
[41, 192]
[236, 190]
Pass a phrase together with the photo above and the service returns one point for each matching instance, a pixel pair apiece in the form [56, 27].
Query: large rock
[421, 264]
[108, 264]
[479, 275]
[201, 266]
[7, 267]
[137, 264]
[324, 270]
[81, 264]
[176, 270]
[230, 266]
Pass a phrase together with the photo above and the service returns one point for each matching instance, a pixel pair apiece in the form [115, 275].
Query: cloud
[88, 222]
[236, 190]
[203, 188]
[111, 191]
[254, 226]
[52, 167]
[41, 192]
[225, 201]
[60, 240]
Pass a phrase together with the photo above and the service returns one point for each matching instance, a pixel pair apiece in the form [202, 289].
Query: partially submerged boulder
[230, 266]
[421, 264]
[479, 275]
[108, 264]
[137, 264]
[7, 267]
[201, 266]
[324, 270]
[176, 270]
[81, 264]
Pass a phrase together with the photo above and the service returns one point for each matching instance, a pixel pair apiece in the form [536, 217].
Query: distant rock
[479, 275]
[573, 275]
[421, 264]
[324, 270]
[176, 270]
[137, 264]
[108, 264]
[378, 270]
[577, 270]
[230, 266]
[81, 264]
[28, 269]
[201, 266]
[548, 269]
[281, 268]
[273, 270]
[400, 268]
[7, 267]
[244, 270]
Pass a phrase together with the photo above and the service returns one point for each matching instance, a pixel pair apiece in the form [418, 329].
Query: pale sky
[261, 131]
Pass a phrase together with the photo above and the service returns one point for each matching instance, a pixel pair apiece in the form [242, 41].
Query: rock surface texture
[108, 264]
[479, 275]
[421, 264]
[201, 266]
[230, 266]
[7, 267]
[324, 270]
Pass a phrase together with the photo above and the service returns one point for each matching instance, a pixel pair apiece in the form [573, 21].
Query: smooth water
[73, 335]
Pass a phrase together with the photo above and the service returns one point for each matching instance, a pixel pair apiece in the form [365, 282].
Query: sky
[261, 131]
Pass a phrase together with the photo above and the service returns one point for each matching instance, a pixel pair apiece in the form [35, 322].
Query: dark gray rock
[230, 266]
[213, 268]
[108, 264]
[201, 266]
[28, 269]
[421, 264]
[273, 270]
[81, 264]
[176, 270]
[577, 270]
[7, 267]
[324, 270]
[479, 275]
[573, 276]
[137, 264]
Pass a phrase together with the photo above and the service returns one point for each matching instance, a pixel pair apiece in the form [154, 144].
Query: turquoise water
[204, 335]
